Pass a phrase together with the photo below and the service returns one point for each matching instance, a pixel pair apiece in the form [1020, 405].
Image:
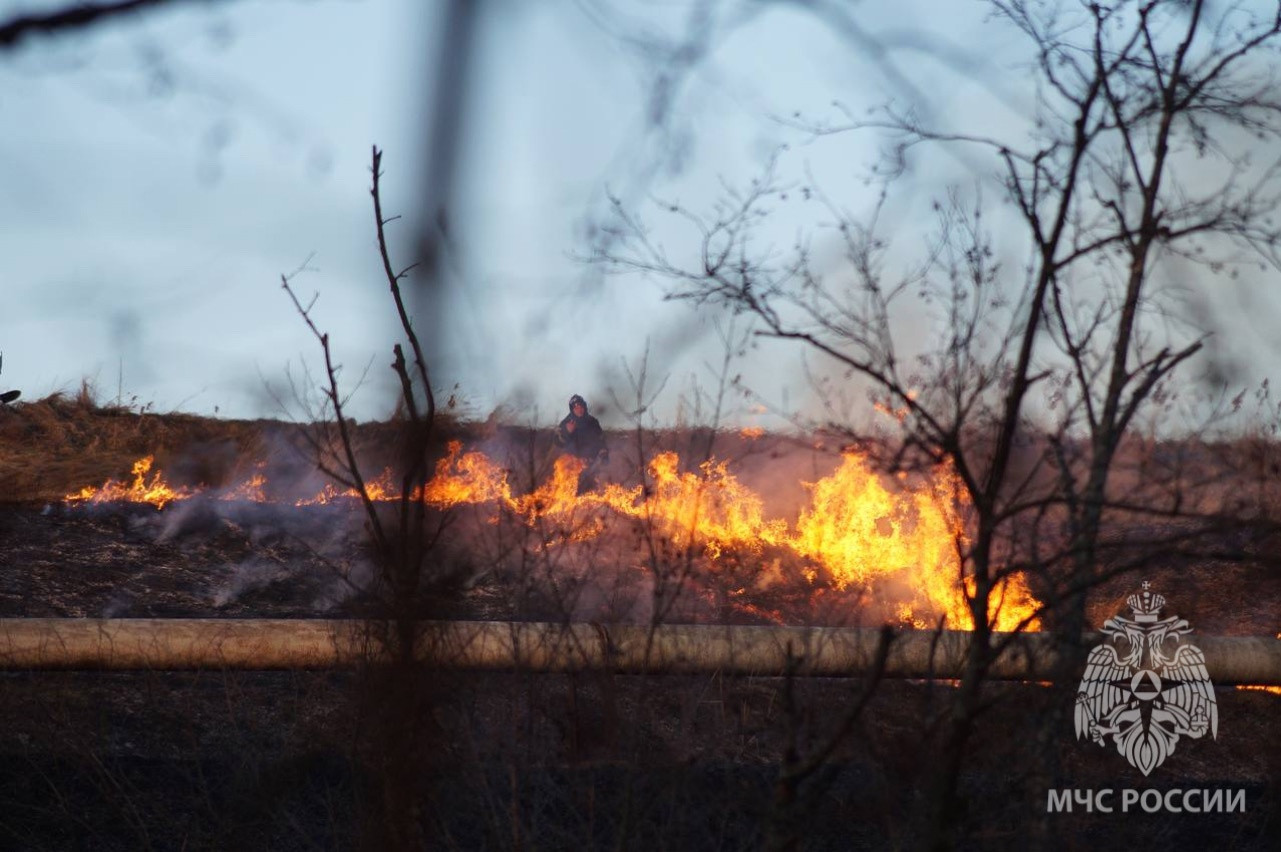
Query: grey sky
[150, 205]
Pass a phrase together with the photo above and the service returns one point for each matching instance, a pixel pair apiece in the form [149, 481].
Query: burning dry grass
[857, 532]
[768, 533]
[140, 489]
[59, 444]
[62, 444]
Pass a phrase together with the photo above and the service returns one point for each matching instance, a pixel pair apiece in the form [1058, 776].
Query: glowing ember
[1275, 690]
[141, 490]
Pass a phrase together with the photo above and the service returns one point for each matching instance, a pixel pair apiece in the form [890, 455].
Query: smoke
[253, 574]
[631, 551]
[254, 548]
[778, 467]
[118, 604]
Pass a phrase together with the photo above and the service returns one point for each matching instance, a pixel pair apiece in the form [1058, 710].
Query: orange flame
[155, 491]
[855, 527]
[380, 490]
[470, 478]
[557, 496]
[252, 490]
[903, 538]
[710, 506]
[862, 531]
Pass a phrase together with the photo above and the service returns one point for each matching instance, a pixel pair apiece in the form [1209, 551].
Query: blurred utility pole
[446, 116]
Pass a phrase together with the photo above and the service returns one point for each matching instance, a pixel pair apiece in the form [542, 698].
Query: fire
[557, 496]
[251, 490]
[380, 490]
[900, 538]
[899, 413]
[155, 491]
[710, 506]
[859, 529]
[862, 532]
[470, 478]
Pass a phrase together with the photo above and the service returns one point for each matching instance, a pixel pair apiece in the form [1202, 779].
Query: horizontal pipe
[199, 643]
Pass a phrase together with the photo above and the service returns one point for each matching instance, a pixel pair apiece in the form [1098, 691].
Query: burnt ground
[196, 559]
[290, 760]
[235, 559]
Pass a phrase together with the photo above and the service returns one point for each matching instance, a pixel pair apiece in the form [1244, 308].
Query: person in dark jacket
[581, 435]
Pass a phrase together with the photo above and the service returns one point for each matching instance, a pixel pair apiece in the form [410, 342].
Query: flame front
[379, 490]
[470, 478]
[904, 539]
[154, 491]
[710, 507]
[862, 532]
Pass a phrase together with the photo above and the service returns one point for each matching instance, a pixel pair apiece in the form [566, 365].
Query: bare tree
[404, 541]
[72, 17]
[1149, 149]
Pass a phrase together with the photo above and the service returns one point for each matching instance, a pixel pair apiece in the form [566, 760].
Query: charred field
[297, 759]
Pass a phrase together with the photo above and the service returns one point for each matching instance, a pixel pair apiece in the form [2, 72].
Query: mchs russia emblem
[1145, 686]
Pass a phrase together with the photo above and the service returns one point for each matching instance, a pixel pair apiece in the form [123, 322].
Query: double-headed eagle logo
[1145, 686]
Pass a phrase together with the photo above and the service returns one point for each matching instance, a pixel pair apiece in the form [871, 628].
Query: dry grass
[62, 443]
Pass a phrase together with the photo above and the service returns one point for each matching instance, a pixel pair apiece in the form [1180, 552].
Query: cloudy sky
[162, 172]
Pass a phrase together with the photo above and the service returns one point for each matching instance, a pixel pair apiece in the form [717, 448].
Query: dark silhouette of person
[581, 435]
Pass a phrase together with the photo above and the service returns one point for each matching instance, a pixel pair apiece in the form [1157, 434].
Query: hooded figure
[580, 433]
